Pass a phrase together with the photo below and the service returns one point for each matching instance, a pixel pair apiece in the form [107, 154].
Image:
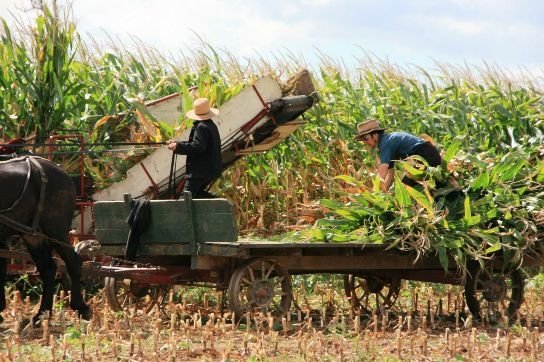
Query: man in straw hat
[203, 150]
[395, 146]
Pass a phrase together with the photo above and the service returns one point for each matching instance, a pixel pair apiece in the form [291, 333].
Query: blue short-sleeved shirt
[397, 146]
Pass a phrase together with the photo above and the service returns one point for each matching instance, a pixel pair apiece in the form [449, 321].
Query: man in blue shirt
[395, 146]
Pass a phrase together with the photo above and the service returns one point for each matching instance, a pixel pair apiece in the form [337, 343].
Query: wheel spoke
[125, 300]
[268, 272]
[366, 299]
[246, 281]
[251, 275]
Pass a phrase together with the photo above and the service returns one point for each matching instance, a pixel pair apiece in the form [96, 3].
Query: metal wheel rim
[367, 296]
[485, 293]
[120, 296]
[260, 286]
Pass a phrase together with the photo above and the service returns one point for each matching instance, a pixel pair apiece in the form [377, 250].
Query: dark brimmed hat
[366, 127]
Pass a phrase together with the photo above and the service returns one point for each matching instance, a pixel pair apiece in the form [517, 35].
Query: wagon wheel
[493, 292]
[124, 294]
[86, 249]
[319, 302]
[260, 286]
[370, 293]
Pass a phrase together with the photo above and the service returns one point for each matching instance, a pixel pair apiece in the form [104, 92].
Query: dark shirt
[397, 146]
[203, 150]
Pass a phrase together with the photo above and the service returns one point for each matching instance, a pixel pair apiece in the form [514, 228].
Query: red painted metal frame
[251, 123]
[154, 188]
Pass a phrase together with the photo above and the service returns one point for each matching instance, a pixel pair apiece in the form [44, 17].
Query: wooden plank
[148, 249]
[209, 263]
[214, 220]
[349, 264]
[263, 244]
[222, 249]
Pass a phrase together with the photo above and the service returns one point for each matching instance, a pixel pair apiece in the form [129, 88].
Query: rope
[23, 145]
[172, 176]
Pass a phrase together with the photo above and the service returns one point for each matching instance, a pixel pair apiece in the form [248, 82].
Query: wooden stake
[82, 339]
[399, 343]
[141, 347]
[52, 345]
[534, 344]
[8, 349]
[97, 347]
[425, 344]
[131, 348]
[45, 324]
[357, 324]
[508, 345]
[64, 346]
[473, 337]
[173, 318]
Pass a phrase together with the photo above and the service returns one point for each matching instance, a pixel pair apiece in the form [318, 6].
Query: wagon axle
[494, 289]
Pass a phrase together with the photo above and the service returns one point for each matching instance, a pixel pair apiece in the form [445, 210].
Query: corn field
[429, 322]
[318, 185]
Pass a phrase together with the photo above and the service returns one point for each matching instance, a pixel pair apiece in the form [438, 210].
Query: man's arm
[386, 175]
[197, 145]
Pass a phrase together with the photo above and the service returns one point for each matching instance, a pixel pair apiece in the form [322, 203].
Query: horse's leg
[3, 272]
[73, 266]
[47, 268]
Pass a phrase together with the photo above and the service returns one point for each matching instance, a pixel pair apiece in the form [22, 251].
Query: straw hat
[202, 110]
[366, 127]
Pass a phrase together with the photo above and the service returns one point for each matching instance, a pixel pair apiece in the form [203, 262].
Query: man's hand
[171, 145]
[386, 175]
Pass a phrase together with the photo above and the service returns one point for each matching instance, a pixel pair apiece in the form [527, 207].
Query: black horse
[37, 203]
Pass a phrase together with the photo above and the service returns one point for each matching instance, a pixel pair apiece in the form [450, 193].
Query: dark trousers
[198, 188]
[430, 153]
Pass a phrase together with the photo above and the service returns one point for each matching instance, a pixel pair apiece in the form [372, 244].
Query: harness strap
[16, 202]
[39, 208]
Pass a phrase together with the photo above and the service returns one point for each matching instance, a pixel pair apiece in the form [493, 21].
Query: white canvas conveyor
[237, 118]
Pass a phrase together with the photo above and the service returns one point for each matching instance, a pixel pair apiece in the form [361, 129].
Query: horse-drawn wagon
[187, 242]
[191, 242]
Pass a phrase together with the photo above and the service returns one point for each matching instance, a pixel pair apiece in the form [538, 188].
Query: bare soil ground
[424, 325]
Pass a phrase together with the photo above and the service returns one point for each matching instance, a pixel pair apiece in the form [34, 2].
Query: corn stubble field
[428, 322]
[317, 185]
